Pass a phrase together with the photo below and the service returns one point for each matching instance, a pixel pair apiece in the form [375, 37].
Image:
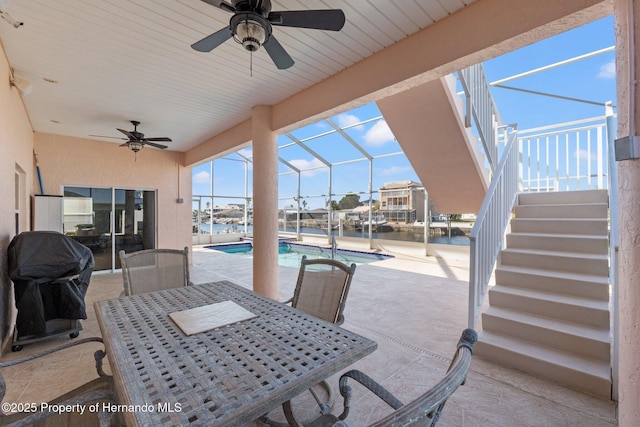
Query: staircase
[548, 313]
[429, 119]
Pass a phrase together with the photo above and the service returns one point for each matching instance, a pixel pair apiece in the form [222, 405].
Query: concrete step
[549, 313]
[563, 197]
[558, 261]
[568, 308]
[581, 373]
[577, 284]
[585, 341]
[583, 226]
[592, 210]
[559, 242]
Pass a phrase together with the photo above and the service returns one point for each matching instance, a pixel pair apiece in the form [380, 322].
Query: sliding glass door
[134, 221]
[108, 220]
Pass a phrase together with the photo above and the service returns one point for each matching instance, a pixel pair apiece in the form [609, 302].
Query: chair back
[426, 409]
[154, 270]
[322, 288]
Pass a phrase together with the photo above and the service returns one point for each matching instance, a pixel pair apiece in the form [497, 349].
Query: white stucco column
[265, 203]
[627, 20]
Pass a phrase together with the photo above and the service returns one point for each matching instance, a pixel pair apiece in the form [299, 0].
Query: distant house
[402, 202]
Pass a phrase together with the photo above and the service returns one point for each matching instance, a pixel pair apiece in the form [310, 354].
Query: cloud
[395, 170]
[246, 152]
[379, 134]
[608, 70]
[582, 154]
[305, 165]
[345, 120]
[201, 178]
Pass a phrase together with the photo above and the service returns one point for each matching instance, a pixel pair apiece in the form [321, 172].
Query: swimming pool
[290, 254]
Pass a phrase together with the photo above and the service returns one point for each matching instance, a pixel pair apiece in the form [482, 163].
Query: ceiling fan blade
[212, 41]
[127, 133]
[112, 137]
[221, 4]
[330, 19]
[153, 144]
[126, 144]
[160, 138]
[277, 53]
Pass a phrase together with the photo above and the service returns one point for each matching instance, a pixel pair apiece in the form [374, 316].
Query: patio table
[227, 376]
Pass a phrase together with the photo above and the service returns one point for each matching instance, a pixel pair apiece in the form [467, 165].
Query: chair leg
[288, 414]
[325, 408]
[99, 355]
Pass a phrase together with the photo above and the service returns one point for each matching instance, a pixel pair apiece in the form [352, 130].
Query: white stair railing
[566, 156]
[561, 157]
[487, 236]
[614, 243]
[481, 106]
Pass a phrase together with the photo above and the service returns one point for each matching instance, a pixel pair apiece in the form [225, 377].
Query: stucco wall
[16, 140]
[79, 162]
[82, 162]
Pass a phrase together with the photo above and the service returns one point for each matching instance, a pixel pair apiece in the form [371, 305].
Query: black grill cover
[40, 263]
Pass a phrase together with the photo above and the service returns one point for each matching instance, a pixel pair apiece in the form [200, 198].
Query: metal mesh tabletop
[227, 376]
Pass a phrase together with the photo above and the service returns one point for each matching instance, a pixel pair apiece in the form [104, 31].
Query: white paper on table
[201, 319]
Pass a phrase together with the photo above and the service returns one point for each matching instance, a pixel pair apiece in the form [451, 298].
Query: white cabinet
[47, 213]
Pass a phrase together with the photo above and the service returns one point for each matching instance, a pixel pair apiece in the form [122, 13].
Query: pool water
[290, 254]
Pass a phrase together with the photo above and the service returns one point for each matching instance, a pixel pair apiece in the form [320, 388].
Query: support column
[627, 21]
[265, 203]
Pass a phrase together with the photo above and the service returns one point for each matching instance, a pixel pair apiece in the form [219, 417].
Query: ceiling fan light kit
[250, 30]
[135, 146]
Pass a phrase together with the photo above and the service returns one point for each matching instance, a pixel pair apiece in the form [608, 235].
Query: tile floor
[414, 308]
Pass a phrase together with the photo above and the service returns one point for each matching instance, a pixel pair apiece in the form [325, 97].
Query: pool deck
[414, 307]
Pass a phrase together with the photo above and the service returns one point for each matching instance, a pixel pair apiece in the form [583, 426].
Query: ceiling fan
[251, 24]
[136, 140]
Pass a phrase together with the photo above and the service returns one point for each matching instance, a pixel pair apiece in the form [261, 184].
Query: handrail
[614, 243]
[487, 236]
[482, 107]
[334, 247]
[565, 156]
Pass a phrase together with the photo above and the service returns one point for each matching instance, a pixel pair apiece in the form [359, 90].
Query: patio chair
[321, 290]
[154, 270]
[424, 411]
[99, 390]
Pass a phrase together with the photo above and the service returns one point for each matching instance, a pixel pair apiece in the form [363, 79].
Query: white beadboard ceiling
[94, 65]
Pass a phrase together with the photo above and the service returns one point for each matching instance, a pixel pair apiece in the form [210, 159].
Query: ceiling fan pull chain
[251, 64]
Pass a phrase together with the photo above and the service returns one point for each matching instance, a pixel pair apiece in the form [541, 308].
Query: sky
[591, 79]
